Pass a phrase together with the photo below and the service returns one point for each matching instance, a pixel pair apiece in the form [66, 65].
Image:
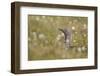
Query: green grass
[43, 33]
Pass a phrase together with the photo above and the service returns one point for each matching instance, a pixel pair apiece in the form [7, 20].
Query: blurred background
[46, 41]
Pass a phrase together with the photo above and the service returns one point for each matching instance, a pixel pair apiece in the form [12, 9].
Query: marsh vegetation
[46, 42]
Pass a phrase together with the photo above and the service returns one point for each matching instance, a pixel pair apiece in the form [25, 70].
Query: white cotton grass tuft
[76, 32]
[70, 22]
[75, 20]
[79, 49]
[34, 35]
[74, 41]
[83, 48]
[85, 35]
[59, 36]
[85, 26]
[62, 34]
[73, 28]
[41, 36]
[37, 18]
[43, 17]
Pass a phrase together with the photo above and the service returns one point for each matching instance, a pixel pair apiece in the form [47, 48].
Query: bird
[67, 36]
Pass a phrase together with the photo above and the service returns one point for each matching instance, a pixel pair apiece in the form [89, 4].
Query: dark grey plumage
[67, 35]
